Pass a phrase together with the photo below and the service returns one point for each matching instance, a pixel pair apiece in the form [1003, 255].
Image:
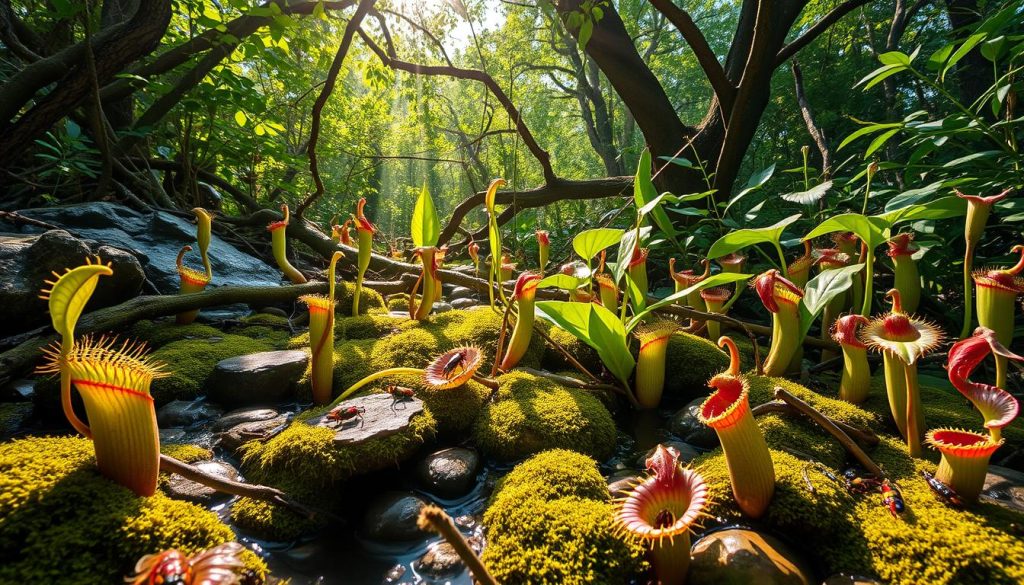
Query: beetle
[942, 490]
[456, 361]
[892, 498]
[343, 414]
[855, 484]
[220, 564]
[399, 393]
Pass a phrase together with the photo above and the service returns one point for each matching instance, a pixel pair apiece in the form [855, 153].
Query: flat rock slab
[258, 430]
[379, 416]
[258, 378]
[186, 489]
[244, 415]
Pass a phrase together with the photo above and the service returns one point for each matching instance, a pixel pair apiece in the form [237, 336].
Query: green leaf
[992, 49]
[722, 278]
[646, 196]
[821, 290]
[562, 281]
[880, 71]
[942, 208]
[880, 141]
[597, 327]
[870, 129]
[586, 29]
[869, 229]
[626, 251]
[809, 196]
[961, 52]
[883, 76]
[588, 244]
[740, 239]
[756, 181]
[240, 118]
[426, 227]
[939, 58]
[894, 58]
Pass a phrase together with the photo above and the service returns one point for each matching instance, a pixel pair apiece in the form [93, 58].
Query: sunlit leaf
[719, 279]
[740, 239]
[597, 327]
[812, 195]
[240, 118]
[426, 227]
[646, 196]
[756, 181]
[589, 243]
[562, 281]
[821, 289]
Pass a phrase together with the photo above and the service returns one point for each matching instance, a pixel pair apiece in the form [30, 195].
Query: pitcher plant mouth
[907, 278]
[782, 298]
[650, 363]
[727, 411]
[524, 294]
[666, 504]
[978, 210]
[964, 463]
[279, 245]
[856, 380]
[733, 262]
[997, 406]
[609, 293]
[321, 335]
[543, 245]
[685, 279]
[715, 299]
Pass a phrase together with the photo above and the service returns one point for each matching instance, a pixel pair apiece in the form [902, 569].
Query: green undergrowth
[191, 361]
[61, 522]
[550, 521]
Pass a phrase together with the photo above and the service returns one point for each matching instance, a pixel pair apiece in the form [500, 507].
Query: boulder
[685, 425]
[440, 560]
[462, 292]
[449, 473]
[736, 556]
[27, 261]
[155, 238]
[1004, 486]
[185, 413]
[392, 517]
[266, 377]
[460, 304]
[379, 416]
[244, 415]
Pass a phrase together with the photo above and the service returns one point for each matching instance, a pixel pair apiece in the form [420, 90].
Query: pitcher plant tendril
[661, 510]
[451, 369]
[997, 406]
[782, 298]
[279, 246]
[321, 336]
[650, 361]
[523, 295]
[997, 291]
[715, 299]
[727, 411]
[856, 381]
[908, 279]
[364, 232]
[543, 248]
[902, 339]
[190, 281]
[113, 381]
[978, 210]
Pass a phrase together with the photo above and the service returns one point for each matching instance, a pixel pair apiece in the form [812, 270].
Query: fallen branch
[863, 436]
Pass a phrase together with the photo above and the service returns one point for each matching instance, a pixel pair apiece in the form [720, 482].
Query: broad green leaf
[240, 118]
[883, 76]
[942, 208]
[597, 327]
[880, 71]
[719, 279]
[992, 49]
[880, 141]
[961, 52]
[866, 130]
[740, 239]
[636, 296]
[809, 196]
[869, 229]
[626, 251]
[821, 290]
[894, 58]
[939, 58]
[588, 244]
[562, 281]
[756, 181]
[645, 193]
[683, 162]
[426, 227]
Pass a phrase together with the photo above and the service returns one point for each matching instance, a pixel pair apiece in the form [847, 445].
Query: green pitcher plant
[364, 235]
[321, 336]
[978, 210]
[997, 292]
[279, 248]
[523, 295]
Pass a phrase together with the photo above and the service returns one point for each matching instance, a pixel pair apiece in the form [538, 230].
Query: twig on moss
[863, 436]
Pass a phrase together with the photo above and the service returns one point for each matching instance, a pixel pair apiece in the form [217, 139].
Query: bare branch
[816, 132]
[819, 27]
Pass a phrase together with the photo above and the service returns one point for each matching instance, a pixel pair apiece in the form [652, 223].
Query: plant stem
[869, 276]
[373, 377]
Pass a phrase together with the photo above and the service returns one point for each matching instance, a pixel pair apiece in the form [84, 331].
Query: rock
[185, 413]
[173, 435]
[186, 489]
[394, 574]
[379, 416]
[736, 556]
[155, 238]
[1004, 486]
[441, 308]
[259, 378]
[13, 416]
[685, 425]
[259, 430]
[244, 415]
[460, 304]
[440, 560]
[685, 451]
[18, 390]
[621, 484]
[27, 261]
[449, 473]
[462, 292]
[392, 517]
[844, 579]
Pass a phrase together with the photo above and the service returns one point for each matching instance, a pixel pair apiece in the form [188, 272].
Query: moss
[191, 361]
[398, 302]
[367, 326]
[550, 522]
[690, 361]
[160, 333]
[63, 522]
[186, 453]
[583, 353]
[12, 416]
[455, 409]
[533, 414]
[929, 543]
[369, 301]
[304, 462]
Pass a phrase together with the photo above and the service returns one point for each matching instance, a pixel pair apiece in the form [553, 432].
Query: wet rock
[13, 416]
[380, 416]
[19, 390]
[441, 308]
[392, 517]
[844, 579]
[260, 430]
[1004, 486]
[258, 378]
[394, 574]
[685, 425]
[736, 556]
[685, 451]
[155, 238]
[26, 261]
[244, 415]
[173, 436]
[460, 304]
[185, 413]
[462, 292]
[449, 473]
[440, 560]
[186, 489]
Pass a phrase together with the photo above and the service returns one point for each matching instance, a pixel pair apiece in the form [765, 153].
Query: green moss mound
[304, 462]
[62, 522]
[929, 543]
[272, 329]
[186, 453]
[369, 301]
[191, 361]
[367, 326]
[550, 522]
[534, 414]
[583, 353]
[691, 361]
[398, 302]
[160, 333]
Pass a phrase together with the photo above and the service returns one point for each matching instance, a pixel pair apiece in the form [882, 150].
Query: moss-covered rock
[367, 326]
[533, 414]
[304, 462]
[369, 301]
[63, 522]
[191, 361]
[690, 361]
[550, 521]
[398, 302]
[274, 330]
[185, 452]
[929, 543]
[164, 331]
[583, 353]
